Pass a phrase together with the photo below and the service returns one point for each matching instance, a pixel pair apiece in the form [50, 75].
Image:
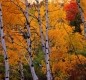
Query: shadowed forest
[43, 40]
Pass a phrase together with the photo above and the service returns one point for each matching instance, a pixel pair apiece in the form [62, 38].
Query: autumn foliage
[71, 10]
[67, 49]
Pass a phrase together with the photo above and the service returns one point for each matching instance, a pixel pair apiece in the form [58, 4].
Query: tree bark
[21, 70]
[45, 44]
[29, 42]
[82, 16]
[4, 46]
[40, 26]
[49, 75]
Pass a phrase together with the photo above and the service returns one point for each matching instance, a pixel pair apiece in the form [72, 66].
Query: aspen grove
[42, 40]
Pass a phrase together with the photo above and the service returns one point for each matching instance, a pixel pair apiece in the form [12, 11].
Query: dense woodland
[43, 41]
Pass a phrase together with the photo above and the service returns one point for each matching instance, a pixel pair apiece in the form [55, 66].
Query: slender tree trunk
[49, 75]
[4, 46]
[40, 26]
[21, 70]
[29, 42]
[45, 44]
[82, 16]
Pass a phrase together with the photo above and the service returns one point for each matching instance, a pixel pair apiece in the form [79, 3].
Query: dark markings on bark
[1, 27]
[32, 65]
[6, 58]
[3, 37]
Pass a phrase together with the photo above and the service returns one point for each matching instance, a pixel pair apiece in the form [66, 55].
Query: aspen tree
[82, 16]
[40, 26]
[21, 70]
[34, 76]
[45, 46]
[49, 75]
[4, 46]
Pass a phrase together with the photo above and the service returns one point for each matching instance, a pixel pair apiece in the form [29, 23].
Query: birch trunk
[21, 70]
[44, 47]
[29, 42]
[49, 75]
[4, 46]
[40, 26]
[82, 16]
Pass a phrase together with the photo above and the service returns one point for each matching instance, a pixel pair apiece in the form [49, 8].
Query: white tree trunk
[40, 26]
[4, 46]
[49, 75]
[82, 16]
[29, 42]
[45, 44]
[21, 70]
